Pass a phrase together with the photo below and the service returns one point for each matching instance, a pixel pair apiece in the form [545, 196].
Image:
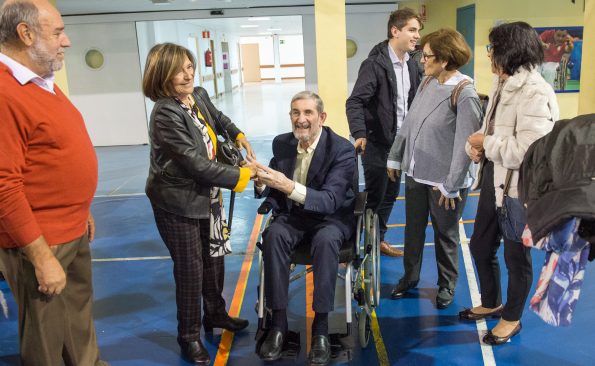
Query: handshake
[262, 176]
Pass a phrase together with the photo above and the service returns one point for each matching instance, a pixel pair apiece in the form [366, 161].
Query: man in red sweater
[48, 175]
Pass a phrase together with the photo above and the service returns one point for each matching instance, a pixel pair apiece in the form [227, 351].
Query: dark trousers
[382, 192]
[59, 329]
[484, 245]
[197, 274]
[279, 241]
[421, 200]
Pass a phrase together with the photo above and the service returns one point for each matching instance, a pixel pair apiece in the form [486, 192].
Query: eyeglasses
[489, 47]
[426, 56]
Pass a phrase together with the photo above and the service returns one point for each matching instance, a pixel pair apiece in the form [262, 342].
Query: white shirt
[24, 75]
[300, 173]
[403, 84]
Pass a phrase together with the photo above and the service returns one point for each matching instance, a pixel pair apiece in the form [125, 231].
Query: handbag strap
[509, 171]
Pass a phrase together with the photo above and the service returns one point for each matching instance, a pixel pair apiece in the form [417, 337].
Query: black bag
[227, 152]
[511, 216]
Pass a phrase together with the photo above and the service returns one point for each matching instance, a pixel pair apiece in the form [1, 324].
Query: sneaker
[444, 297]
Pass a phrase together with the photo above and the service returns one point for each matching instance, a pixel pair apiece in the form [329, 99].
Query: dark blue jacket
[371, 108]
[330, 195]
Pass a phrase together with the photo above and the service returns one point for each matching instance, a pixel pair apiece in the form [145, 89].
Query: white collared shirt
[24, 75]
[300, 173]
[403, 84]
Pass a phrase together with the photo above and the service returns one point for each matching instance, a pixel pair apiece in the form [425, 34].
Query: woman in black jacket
[183, 187]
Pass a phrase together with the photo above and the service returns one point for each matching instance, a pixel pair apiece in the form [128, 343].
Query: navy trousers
[280, 239]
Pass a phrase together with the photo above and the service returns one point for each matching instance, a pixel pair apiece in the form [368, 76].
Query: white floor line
[130, 259]
[403, 245]
[119, 195]
[486, 350]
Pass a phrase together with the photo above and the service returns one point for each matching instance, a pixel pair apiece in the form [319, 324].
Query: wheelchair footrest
[341, 347]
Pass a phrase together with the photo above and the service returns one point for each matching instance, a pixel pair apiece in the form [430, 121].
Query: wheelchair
[361, 257]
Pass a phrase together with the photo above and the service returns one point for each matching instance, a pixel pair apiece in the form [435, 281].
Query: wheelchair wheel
[364, 321]
[371, 264]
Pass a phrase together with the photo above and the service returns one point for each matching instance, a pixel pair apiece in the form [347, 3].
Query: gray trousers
[421, 200]
[54, 330]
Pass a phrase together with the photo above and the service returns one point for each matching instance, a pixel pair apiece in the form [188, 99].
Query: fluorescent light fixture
[249, 26]
[161, 2]
[265, 33]
[273, 29]
[256, 19]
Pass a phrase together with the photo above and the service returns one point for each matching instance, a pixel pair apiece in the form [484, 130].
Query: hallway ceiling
[79, 7]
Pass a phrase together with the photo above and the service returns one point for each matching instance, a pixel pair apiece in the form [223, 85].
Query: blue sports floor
[135, 312]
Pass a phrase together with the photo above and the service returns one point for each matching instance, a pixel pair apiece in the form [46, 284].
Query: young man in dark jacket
[385, 87]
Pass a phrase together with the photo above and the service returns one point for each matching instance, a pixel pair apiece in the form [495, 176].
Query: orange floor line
[238, 296]
[309, 311]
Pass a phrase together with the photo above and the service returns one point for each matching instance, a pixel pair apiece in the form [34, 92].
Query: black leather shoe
[229, 324]
[494, 340]
[271, 348]
[468, 314]
[444, 297]
[320, 352]
[401, 289]
[195, 352]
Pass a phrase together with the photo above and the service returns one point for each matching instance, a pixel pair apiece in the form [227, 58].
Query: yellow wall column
[61, 76]
[586, 102]
[331, 61]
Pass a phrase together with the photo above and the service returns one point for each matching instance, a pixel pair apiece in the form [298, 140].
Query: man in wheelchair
[309, 186]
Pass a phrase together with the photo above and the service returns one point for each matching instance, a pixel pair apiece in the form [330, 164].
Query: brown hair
[399, 19]
[164, 61]
[448, 45]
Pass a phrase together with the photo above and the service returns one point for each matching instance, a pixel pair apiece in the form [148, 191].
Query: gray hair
[306, 94]
[12, 13]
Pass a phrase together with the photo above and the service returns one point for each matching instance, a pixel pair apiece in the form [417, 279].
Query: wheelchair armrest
[264, 208]
[360, 203]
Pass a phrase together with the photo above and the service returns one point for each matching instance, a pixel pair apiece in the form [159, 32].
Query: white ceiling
[74, 7]
[282, 25]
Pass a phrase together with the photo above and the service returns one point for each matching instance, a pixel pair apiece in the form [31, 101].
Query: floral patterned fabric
[559, 284]
[219, 239]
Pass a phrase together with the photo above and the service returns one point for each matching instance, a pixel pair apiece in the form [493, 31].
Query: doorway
[466, 26]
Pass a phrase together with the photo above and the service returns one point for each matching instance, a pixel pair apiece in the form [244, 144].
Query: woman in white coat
[522, 109]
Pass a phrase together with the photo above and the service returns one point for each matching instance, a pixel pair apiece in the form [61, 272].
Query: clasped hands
[477, 150]
[263, 175]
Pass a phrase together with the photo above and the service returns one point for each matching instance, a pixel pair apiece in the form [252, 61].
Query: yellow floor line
[380, 349]
[238, 296]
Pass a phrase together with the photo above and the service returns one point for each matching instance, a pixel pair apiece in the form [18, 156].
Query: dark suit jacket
[330, 195]
[180, 173]
[372, 104]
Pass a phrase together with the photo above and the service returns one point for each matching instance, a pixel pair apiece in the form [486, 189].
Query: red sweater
[48, 167]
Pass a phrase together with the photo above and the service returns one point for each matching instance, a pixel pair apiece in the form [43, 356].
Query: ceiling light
[162, 2]
[249, 26]
[256, 19]
[273, 29]
[265, 33]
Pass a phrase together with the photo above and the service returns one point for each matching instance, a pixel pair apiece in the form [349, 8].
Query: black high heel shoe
[229, 324]
[195, 352]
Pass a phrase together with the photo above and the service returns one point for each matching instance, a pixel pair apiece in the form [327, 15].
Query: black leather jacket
[557, 177]
[180, 173]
